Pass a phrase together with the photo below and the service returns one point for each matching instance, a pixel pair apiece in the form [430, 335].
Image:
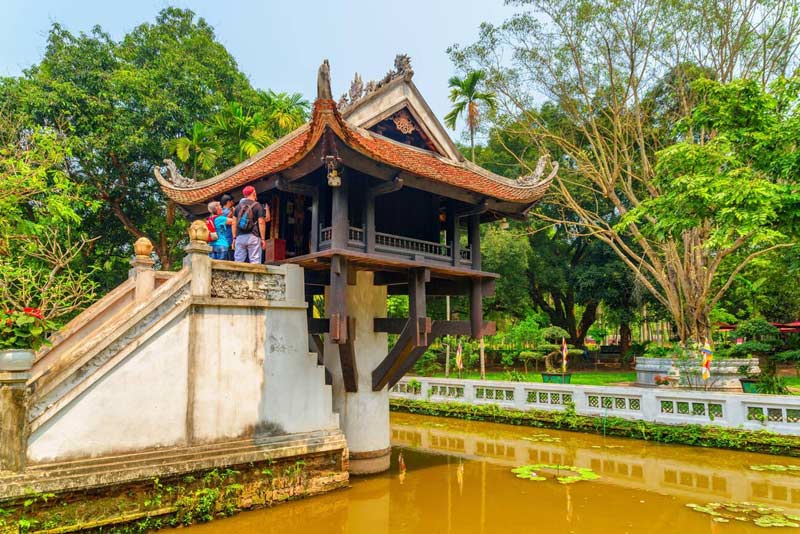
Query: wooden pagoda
[374, 183]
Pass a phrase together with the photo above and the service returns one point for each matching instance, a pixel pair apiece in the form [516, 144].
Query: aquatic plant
[758, 514]
[571, 474]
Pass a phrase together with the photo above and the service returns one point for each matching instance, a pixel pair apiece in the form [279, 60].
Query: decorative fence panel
[777, 413]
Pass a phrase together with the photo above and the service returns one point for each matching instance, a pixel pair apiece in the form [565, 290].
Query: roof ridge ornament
[173, 176]
[324, 81]
[358, 91]
[535, 177]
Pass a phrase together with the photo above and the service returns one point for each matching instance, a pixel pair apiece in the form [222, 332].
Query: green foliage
[466, 96]
[755, 329]
[554, 334]
[506, 253]
[23, 329]
[749, 349]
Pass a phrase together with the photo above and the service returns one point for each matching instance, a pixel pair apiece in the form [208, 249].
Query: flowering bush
[661, 380]
[24, 329]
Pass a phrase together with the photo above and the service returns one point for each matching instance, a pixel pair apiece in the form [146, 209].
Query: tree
[693, 201]
[466, 97]
[285, 111]
[118, 105]
[40, 209]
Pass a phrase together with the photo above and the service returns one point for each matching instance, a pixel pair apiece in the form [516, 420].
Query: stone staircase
[174, 461]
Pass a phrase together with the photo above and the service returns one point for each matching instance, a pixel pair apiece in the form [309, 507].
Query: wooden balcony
[398, 246]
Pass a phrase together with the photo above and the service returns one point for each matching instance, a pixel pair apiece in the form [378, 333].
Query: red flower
[34, 312]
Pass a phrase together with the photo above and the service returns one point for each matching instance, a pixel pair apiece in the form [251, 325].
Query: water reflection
[455, 478]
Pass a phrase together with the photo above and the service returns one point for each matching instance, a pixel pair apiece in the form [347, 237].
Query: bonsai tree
[552, 349]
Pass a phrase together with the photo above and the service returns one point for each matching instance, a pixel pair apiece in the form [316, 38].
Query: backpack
[212, 229]
[245, 220]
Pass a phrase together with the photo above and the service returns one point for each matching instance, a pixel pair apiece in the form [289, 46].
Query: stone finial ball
[143, 247]
[198, 231]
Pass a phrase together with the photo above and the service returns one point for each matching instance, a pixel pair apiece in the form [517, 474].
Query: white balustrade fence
[777, 413]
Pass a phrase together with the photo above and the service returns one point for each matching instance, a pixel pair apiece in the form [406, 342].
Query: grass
[581, 378]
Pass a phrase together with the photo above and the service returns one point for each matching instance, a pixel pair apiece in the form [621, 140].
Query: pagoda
[372, 198]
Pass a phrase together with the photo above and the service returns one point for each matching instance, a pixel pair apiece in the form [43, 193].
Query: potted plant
[551, 351]
[22, 332]
[749, 380]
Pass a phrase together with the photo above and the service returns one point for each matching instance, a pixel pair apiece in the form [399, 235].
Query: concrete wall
[186, 368]
[671, 406]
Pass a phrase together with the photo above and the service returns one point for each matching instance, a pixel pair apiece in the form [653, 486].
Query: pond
[458, 479]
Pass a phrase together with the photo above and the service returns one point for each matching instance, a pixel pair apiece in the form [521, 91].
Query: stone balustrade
[777, 413]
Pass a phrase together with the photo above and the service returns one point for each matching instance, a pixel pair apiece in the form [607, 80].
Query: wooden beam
[453, 236]
[479, 209]
[347, 358]
[386, 187]
[413, 336]
[392, 325]
[389, 278]
[297, 188]
[443, 286]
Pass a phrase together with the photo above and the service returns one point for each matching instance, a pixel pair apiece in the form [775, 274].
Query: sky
[279, 44]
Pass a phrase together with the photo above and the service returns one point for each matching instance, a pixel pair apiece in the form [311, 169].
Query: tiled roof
[290, 149]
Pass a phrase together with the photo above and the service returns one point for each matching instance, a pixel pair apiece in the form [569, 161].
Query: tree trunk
[625, 335]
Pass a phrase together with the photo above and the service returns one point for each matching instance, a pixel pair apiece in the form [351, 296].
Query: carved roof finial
[324, 81]
[535, 177]
[356, 88]
[402, 66]
[173, 177]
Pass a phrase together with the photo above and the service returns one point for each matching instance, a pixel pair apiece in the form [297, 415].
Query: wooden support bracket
[347, 357]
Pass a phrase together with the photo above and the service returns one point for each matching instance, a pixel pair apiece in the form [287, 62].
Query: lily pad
[760, 515]
[563, 474]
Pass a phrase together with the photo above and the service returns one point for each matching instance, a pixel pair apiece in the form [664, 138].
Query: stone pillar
[198, 260]
[142, 269]
[363, 415]
[15, 370]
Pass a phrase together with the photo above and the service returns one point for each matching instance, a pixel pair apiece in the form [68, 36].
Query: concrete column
[198, 260]
[142, 269]
[15, 370]
[363, 415]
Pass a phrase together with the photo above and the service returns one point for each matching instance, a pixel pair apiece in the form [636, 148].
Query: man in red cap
[250, 227]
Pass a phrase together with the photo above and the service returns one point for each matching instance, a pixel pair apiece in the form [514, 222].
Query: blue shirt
[223, 240]
[227, 231]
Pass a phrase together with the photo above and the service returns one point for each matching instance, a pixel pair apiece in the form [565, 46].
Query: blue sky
[280, 44]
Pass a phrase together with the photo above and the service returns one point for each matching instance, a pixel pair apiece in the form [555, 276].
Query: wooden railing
[395, 244]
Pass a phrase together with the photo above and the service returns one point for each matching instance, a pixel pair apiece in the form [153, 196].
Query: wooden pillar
[313, 242]
[340, 217]
[369, 222]
[475, 240]
[417, 305]
[476, 308]
[453, 236]
[337, 305]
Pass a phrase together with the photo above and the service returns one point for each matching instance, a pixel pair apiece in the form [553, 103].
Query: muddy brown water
[458, 480]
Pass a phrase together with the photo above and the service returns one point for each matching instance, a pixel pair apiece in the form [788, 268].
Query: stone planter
[15, 365]
[724, 373]
[648, 368]
[556, 378]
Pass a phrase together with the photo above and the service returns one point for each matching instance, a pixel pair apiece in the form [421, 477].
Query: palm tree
[200, 149]
[285, 111]
[243, 133]
[466, 96]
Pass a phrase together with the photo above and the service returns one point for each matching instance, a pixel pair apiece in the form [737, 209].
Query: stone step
[103, 472]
